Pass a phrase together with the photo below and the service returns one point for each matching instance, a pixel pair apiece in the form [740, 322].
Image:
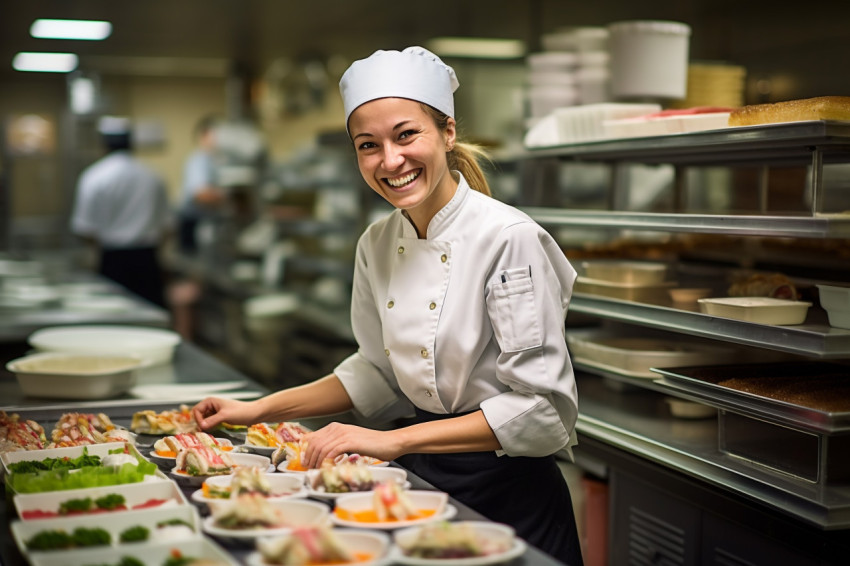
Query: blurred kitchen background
[272, 272]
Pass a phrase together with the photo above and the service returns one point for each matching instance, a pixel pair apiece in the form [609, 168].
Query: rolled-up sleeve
[528, 293]
[366, 375]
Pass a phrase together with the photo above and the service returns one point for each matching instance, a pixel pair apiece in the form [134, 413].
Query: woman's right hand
[212, 411]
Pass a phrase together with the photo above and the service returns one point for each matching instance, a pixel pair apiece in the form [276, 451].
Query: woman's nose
[393, 158]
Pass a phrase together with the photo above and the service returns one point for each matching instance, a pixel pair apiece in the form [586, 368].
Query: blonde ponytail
[463, 157]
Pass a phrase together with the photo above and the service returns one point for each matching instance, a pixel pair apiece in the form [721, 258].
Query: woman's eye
[366, 145]
[406, 134]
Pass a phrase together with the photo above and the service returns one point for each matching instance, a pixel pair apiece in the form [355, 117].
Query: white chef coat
[120, 202]
[470, 317]
[198, 173]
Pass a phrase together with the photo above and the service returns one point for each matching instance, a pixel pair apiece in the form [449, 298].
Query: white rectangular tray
[151, 554]
[22, 531]
[67, 452]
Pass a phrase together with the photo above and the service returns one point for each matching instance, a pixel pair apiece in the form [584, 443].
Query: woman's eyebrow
[398, 126]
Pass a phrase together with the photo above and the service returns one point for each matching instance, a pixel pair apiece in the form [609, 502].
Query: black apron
[529, 494]
[137, 269]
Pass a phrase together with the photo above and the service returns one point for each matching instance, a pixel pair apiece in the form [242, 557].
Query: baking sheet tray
[703, 383]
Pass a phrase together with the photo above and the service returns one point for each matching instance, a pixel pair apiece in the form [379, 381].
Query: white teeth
[401, 181]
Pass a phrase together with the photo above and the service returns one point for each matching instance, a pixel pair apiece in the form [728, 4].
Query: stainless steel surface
[732, 225]
[785, 144]
[639, 423]
[790, 414]
[815, 338]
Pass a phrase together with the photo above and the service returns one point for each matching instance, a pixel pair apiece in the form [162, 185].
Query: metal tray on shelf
[705, 382]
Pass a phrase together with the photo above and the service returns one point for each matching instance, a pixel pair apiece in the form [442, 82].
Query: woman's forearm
[469, 433]
[325, 396]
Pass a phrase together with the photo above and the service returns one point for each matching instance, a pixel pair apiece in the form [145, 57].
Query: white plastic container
[154, 345]
[649, 59]
[763, 310]
[626, 272]
[836, 301]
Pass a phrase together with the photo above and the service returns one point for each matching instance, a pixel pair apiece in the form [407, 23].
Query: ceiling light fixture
[45, 62]
[477, 47]
[93, 30]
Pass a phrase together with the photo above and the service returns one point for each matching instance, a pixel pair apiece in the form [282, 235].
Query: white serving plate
[491, 531]
[635, 356]
[134, 493]
[105, 303]
[380, 474]
[154, 553]
[22, 531]
[836, 302]
[626, 272]
[376, 544]
[67, 452]
[63, 375]
[763, 310]
[298, 513]
[239, 460]
[154, 345]
[168, 461]
[421, 499]
[284, 486]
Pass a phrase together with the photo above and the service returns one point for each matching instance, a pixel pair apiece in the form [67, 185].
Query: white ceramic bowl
[284, 486]
[836, 301]
[435, 503]
[298, 513]
[61, 375]
[154, 345]
[374, 544]
[500, 538]
[239, 460]
[763, 310]
[380, 474]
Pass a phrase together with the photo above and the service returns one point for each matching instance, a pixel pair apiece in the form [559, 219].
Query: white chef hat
[415, 73]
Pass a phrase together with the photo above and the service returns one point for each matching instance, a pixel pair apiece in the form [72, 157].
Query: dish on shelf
[193, 550]
[165, 449]
[625, 272]
[635, 356]
[215, 491]
[688, 295]
[495, 542]
[358, 510]
[762, 310]
[154, 345]
[100, 450]
[62, 375]
[155, 493]
[365, 547]
[262, 517]
[624, 291]
[174, 523]
[836, 302]
[689, 409]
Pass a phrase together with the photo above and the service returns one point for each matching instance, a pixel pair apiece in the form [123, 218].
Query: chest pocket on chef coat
[512, 312]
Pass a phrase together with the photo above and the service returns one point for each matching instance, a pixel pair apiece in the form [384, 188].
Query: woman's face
[402, 156]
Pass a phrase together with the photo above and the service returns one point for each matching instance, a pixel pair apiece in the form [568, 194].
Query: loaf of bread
[820, 108]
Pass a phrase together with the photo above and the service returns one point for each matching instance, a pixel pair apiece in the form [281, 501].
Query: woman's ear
[450, 133]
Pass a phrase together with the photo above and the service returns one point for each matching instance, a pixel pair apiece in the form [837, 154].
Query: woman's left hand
[337, 438]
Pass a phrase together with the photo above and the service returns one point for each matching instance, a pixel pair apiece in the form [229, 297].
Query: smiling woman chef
[458, 307]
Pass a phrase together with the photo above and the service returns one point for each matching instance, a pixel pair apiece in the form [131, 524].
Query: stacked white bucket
[572, 69]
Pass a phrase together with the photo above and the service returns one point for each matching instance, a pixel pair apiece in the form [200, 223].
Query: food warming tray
[796, 436]
[704, 382]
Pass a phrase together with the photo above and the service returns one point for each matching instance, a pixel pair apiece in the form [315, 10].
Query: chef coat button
[427, 393]
[387, 352]
[432, 306]
[444, 258]
[424, 352]
[390, 304]
[401, 249]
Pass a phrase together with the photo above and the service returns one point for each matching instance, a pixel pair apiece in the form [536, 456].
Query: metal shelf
[815, 338]
[786, 144]
[824, 226]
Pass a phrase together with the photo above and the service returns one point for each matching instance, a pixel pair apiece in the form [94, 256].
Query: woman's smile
[400, 181]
